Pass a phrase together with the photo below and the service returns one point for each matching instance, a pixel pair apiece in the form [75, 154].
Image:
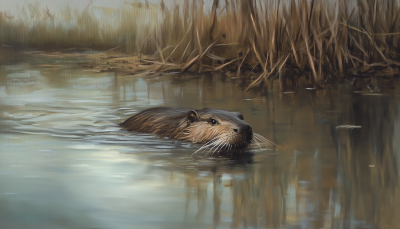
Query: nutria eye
[213, 121]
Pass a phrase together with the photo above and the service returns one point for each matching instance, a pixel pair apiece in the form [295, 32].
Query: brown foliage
[323, 39]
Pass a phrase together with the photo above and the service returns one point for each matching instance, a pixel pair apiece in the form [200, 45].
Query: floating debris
[367, 93]
[257, 98]
[372, 94]
[347, 127]
[91, 70]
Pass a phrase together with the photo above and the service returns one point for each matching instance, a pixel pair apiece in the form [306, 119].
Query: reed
[321, 40]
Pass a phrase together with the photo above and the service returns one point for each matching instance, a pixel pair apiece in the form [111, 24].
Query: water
[65, 163]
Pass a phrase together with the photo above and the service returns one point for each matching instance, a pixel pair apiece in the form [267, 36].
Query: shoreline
[116, 60]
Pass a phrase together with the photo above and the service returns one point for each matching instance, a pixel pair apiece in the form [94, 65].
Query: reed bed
[322, 41]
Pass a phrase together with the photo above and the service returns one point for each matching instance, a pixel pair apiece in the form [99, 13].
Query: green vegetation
[288, 39]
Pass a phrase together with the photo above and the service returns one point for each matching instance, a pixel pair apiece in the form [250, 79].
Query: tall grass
[321, 39]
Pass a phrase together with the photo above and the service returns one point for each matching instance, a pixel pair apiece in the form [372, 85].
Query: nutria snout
[207, 126]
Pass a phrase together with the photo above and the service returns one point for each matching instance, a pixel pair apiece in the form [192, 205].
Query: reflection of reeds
[326, 189]
[370, 170]
[324, 39]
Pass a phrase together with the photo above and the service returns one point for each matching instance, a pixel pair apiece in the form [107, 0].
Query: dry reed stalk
[305, 35]
[265, 74]
[289, 35]
[215, 57]
[200, 52]
[184, 52]
[213, 18]
[160, 52]
[159, 68]
[244, 57]
[198, 57]
[374, 34]
[191, 54]
[156, 62]
[208, 48]
[226, 64]
[189, 64]
[257, 55]
[235, 43]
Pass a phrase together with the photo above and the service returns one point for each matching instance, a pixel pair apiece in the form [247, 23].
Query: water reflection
[65, 163]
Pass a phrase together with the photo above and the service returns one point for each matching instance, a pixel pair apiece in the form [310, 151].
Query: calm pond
[65, 163]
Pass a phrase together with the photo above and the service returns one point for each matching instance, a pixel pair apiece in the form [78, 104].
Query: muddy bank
[369, 78]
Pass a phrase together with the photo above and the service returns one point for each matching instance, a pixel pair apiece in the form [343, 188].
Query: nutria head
[207, 125]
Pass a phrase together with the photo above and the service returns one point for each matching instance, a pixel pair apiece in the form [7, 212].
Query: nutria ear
[192, 116]
[239, 115]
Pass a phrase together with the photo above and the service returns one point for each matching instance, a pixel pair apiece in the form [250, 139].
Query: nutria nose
[236, 130]
[249, 134]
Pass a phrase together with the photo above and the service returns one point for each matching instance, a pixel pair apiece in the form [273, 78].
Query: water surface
[65, 163]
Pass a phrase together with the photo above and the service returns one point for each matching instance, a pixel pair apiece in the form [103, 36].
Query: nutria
[224, 128]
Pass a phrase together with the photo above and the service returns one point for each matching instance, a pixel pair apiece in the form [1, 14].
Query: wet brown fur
[192, 125]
